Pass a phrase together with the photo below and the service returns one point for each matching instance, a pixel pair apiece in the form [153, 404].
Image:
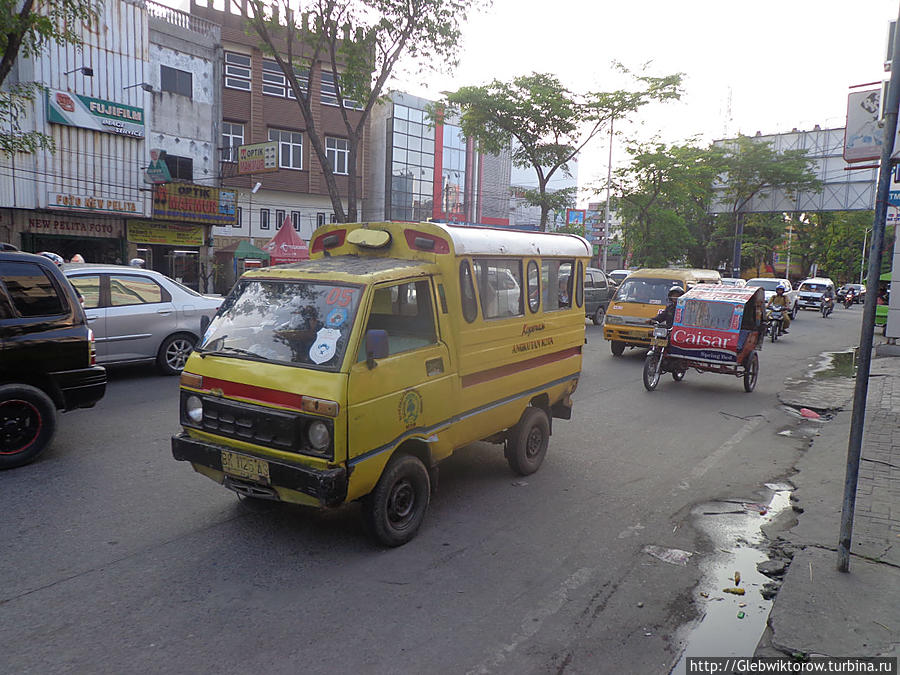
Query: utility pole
[857, 421]
[608, 185]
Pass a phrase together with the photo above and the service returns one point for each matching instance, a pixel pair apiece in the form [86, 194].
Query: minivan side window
[405, 313]
[579, 285]
[534, 287]
[499, 287]
[467, 292]
[556, 276]
[31, 290]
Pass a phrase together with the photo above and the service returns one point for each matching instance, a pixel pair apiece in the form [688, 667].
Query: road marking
[534, 620]
[721, 451]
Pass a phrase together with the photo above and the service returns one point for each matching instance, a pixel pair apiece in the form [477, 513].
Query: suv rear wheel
[27, 423]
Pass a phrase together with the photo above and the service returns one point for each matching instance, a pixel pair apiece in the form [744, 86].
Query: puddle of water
[739, 545]
[836, 364]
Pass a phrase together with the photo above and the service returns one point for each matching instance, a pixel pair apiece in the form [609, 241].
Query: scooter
[849, 299]
[827, 307]
[775, 318]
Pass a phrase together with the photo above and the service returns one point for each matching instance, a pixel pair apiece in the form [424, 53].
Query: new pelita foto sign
[74, 110]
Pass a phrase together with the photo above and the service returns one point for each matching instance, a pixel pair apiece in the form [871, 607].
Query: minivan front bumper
[328, 487]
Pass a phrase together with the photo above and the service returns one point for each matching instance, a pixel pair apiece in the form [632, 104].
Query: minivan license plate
[245, 467]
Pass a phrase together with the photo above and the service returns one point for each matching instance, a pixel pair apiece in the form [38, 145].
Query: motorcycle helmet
[55, 257]
[780, 288]
[675, 292]
[136, 262]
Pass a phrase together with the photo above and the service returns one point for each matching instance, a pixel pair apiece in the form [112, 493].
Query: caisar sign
[74, 110]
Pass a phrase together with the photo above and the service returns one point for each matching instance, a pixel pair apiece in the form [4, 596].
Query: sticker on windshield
[339, 296]
[325, 346]
[336, 318]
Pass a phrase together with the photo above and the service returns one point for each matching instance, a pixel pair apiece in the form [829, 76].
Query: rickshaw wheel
[678, 375]
[751, 372]
[652, 371]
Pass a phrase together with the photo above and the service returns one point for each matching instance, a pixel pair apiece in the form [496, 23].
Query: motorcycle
[849, 299]
[653, 363]
[775, 319]
[827, 307]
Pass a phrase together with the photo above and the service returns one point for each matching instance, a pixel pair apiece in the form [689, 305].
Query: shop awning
[287, 246]
[242, 250]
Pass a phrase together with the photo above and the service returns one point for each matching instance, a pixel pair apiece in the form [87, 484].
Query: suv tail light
[92, 347]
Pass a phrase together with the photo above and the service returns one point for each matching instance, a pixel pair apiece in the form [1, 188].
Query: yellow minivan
[640, 297]
[352, 375]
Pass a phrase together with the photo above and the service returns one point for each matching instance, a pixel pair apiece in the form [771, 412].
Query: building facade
[259, 106]
[423, 168]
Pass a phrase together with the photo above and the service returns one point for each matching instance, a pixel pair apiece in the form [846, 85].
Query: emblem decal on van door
[410, 408]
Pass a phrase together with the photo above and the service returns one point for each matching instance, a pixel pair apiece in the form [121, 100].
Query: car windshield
[765, 284]
[652, 291]
[294, 322]
[813, 288]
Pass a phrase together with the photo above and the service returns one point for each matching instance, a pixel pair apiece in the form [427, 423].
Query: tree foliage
[363, 42]
[26, 28]
[545, 123]
[665, 193]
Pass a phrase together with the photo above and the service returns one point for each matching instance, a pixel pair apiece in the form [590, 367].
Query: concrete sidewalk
[818, 610]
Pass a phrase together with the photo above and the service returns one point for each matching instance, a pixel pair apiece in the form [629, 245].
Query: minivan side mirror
[376, 346]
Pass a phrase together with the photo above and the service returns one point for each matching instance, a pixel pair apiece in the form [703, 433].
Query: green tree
[363, 42]
[665, 193]
[763, 233]
[753, 170]
[26, 28]
[546, 124]
[834, 240]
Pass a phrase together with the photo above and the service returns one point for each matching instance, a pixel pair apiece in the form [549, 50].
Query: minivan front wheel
[27, 423]
[174, 352]
[394, 510]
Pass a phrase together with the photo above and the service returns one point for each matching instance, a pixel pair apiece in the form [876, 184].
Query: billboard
[75, 110]
[191, 203]
[257, 158]
[863, 135]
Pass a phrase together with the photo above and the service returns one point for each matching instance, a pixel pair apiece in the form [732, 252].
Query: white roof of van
[501, 241]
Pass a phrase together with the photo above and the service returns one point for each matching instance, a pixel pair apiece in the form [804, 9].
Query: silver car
[139, 315]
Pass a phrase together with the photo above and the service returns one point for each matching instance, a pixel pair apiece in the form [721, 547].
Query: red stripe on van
[254, 393]
[502, 371]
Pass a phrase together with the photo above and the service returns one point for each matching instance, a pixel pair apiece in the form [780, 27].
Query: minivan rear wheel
[174, 352]
[598, 316]
[27, 424]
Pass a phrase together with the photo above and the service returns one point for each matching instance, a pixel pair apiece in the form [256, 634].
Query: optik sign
[74, 110]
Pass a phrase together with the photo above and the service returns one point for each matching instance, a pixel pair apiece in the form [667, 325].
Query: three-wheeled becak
[716, 329]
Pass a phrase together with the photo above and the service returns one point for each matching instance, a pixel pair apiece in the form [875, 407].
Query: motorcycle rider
[666, 316]
[781, 300]
[828, 299]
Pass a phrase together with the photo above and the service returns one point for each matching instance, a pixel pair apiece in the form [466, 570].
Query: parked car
[598, 291]
[619, 275]
[139, 315]
[732, 281]
[770, 284]
[811, 291]
[47, 356]
[859, 292]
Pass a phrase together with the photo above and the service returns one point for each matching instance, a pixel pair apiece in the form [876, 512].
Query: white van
[811, 291]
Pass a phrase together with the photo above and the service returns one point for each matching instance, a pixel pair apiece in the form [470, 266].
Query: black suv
[46, 355]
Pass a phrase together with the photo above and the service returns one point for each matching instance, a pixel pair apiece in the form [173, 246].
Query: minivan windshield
[648, 291]
[765, 284]
[293, 322]
[813, 288]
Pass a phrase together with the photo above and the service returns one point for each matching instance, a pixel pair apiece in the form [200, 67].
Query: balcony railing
[182, 19]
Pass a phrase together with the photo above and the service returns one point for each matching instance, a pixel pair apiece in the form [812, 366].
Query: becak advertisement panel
[703, 344]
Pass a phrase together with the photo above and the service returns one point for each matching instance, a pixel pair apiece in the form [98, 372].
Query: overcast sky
[781, 64]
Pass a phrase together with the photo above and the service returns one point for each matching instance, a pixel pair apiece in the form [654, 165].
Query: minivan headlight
[193, 408]
[318, 434]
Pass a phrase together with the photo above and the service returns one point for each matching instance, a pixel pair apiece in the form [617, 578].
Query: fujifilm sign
[74, 110]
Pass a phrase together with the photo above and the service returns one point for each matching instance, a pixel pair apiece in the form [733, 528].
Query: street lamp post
[862, 260]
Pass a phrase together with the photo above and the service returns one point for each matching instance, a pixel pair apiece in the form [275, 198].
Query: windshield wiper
[222, 351]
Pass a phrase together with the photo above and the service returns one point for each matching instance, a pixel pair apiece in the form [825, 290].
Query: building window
[279, 219]
[412, 142]
[337, 150]
[176, 81]
[237, 71]
[232, 137]
[264, 219]
[329, 91]
[290, 148]
[332, 219]
[240, 217]
[275, 82]
[320, 219]
[180, 168]
[295, 220]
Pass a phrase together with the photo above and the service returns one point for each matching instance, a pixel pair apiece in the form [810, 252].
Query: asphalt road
[116, 558]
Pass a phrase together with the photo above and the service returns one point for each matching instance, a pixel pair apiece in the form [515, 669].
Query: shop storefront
[177, 250]
[97, 238]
